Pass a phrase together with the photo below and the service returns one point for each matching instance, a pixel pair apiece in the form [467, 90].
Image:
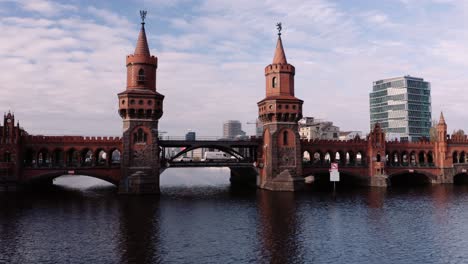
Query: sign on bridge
[334, 173]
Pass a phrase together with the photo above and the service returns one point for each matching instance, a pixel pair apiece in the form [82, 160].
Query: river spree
[82, 220]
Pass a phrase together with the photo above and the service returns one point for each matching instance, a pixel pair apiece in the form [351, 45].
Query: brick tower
[442, 159]
[140, 107]
[10, 153]
[376, 150]
[280, 164]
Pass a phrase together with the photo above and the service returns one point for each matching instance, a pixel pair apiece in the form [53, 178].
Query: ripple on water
[219, 224]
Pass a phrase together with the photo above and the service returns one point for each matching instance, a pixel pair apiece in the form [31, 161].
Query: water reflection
[376, 197]
[139, 229]
[9, 230]
[278, 224]
[220, 224]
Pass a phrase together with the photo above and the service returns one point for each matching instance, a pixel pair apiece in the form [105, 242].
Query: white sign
[71, 172]
[334, 176]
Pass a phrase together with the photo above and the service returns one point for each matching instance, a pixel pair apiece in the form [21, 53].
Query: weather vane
[279, 27]
[143, 15]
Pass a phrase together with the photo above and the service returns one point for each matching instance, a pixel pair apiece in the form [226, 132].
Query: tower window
[141, 76]
[274, 82]
[285, 138]
[139, 136]
[7, 157]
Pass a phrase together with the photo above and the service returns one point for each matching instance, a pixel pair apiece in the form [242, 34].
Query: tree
[433, 131]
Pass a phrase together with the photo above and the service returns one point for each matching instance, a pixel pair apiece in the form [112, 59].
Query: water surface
[199, 218]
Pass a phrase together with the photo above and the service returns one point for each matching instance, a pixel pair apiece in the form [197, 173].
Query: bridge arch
[347, 178]
[224, 149]
[455, 157]
[461, 179]
[306, 157]
[350, 158]
[318, 157]
[115, 156]
[86, 156]
[430, 158]
[58, 157]
[411, 178]
[50, 176]
[462, 157]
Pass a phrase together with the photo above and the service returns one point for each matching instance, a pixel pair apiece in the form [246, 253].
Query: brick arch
[346, 176]
[430, 176]
[304, 158]
[111, 157]
[460, 178]
[286, 137]
[49, 176]
[58, 156]
[98, 160]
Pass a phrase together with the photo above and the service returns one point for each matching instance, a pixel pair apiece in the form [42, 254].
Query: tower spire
[280, 56]
[142, 42]
[441, 119]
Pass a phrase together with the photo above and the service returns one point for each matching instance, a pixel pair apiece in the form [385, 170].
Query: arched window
[141, 76]
[378, 157]
[115, 157]
[140, 136]
[274, 82]
[7, 157]
[285, 138]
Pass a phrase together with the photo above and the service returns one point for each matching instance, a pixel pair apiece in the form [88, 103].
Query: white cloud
[64, 71]
[44, 7]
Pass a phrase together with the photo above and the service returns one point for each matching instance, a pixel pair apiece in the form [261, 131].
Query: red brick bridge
[278, 161]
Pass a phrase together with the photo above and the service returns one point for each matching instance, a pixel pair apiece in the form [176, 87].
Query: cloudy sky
[63, 62]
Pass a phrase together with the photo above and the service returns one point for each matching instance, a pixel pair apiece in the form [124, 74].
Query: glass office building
[402, 107]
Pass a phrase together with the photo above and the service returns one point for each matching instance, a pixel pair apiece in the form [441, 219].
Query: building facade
[232, 129]
[311, 128]
[402, 107]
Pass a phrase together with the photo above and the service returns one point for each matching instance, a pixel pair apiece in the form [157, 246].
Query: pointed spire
[441, 119]
[280, 56]
[142, 43]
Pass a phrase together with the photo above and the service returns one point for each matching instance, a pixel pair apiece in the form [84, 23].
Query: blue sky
[64, 61]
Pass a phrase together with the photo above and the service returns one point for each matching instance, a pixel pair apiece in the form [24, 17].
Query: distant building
[311, 128]
[232, 129]
[402, 107]
[348, 135]
[190, 135]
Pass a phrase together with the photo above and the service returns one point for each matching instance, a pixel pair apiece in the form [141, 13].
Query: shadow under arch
[227, 150]
[407, 178]
[348, 180]
[460, 179]
[47, 178]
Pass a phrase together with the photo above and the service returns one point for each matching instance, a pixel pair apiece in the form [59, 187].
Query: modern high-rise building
[402, 107]
[191, 135]
[232, 129]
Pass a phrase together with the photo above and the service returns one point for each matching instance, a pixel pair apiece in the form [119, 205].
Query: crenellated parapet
[280, 68]
[457, 139]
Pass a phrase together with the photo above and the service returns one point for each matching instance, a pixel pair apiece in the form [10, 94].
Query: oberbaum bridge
[279, 161]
